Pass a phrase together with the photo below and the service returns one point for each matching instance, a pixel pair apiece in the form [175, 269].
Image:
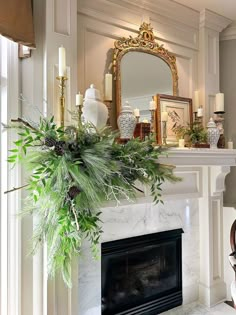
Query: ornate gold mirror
[142, 69]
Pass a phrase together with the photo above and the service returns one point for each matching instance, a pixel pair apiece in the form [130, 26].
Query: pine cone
[49, 142]
[59, 149]
[73, 192]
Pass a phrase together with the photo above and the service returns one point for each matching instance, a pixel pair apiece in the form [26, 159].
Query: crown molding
[171, 11]
[166, 8]
[229, 33]
[213, 20]
[170, 21]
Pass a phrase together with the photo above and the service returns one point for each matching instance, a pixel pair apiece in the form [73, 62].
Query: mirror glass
[142, 76]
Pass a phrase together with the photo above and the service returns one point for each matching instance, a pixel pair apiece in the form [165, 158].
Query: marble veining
[139, 219]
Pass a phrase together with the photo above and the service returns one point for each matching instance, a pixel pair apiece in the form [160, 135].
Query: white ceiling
[227, 8]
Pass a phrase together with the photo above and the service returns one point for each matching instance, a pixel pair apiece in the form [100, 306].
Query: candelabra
[152, 111]
[62, 85]
[219, 120]
[164, 133]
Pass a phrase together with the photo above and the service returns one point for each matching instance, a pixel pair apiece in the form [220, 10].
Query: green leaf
[18, 143]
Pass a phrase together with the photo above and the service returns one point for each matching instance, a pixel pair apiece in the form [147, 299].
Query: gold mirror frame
[144, 42]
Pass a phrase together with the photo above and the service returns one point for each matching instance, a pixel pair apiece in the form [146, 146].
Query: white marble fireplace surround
[195, 205]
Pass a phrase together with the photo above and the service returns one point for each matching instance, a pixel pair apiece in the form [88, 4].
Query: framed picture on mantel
[178, 111]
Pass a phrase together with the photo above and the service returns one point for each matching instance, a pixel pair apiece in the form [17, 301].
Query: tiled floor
[197, 309]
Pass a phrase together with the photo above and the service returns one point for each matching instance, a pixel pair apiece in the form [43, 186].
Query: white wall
[101, 22]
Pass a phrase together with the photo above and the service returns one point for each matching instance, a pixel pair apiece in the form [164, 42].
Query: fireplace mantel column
[212, 166]
[212, 288]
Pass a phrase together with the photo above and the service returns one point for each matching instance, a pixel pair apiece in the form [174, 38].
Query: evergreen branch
[73, 172]
[76, 218]
[15, 188]
[20, 120]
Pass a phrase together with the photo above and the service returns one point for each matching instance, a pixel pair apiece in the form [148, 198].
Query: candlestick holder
[198, 120]
[108, 105]
[219, 121]
[152, 121]
[137, 119]
[77, 114]
[62, 85]
[164, 133]
[195, 116]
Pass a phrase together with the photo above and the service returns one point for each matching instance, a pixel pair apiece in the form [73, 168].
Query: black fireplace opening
[142, 275]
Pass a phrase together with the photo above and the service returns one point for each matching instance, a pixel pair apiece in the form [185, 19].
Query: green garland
[73, 172]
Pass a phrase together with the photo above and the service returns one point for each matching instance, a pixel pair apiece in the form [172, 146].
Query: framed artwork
[179, 112]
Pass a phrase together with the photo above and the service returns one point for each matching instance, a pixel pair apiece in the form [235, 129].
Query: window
[9, 203]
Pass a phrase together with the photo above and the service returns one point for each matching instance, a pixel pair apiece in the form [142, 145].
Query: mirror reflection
[142, 76]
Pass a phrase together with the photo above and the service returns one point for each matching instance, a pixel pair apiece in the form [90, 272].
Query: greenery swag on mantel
[73, 172]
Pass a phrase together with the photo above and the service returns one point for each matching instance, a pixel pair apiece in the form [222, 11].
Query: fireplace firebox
[142, 275]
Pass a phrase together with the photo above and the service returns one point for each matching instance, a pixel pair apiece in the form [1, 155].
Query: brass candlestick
[62, 86]
[108, 105]
[80, 112]
[77, 114]
[164, 133]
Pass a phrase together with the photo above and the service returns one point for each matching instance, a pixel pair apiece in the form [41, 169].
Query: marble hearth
[195, 205]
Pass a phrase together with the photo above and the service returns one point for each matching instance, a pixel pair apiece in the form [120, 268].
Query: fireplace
[142, 275]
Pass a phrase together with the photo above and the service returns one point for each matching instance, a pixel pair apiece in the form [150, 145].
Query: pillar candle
[196, 101]
[230, 144]
[200, 112]
[136, 112]
[108, 87]
[62, 62]
[152, 105]
[220, 102]
[181, 143]
[79, 99]
[164, 116]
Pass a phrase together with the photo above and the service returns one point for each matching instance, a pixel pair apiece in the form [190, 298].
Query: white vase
[94, 110]
[213, 134]
[126, 122]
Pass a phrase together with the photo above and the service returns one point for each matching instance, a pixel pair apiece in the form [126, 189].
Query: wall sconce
[24, 51]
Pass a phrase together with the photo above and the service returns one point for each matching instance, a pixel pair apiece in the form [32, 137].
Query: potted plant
[194, 134]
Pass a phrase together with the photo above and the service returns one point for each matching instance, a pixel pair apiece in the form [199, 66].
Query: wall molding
[229, 33]
[166, 26]
[213, 20]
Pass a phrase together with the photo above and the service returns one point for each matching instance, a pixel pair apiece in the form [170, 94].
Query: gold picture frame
[180, 112]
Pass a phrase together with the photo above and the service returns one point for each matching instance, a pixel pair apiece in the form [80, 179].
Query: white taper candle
[62, 62]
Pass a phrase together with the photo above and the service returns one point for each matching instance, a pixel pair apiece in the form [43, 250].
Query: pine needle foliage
[73, 172]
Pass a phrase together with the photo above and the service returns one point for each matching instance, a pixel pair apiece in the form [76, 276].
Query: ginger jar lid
[92, 94]
[211, 123]
[126, 108]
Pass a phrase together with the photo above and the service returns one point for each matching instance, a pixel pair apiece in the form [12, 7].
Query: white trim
[229, 33]
[10, 204]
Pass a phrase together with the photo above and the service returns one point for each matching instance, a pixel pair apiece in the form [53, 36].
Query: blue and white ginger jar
[213, 134]
[126, 122]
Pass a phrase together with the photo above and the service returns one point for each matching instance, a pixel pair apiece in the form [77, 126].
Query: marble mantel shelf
[200, 157]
